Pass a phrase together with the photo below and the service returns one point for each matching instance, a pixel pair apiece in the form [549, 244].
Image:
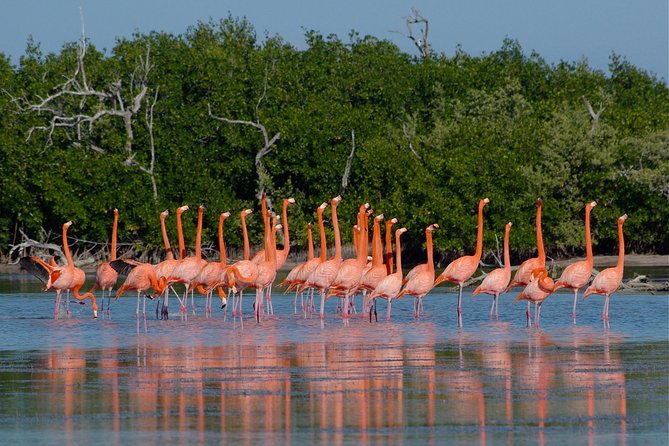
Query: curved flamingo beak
[323, 206]
[379, 217]
[623, 217]
[248, 211]
[394, 220]
[183, 208]
[291, 200]
[486, 200]
[593, 204]
[226, 214]
[440, 278]
[165, 213]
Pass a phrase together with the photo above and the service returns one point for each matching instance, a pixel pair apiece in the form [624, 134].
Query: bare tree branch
[420, 42]
[408, 134]
[593, 115]
[349, 161]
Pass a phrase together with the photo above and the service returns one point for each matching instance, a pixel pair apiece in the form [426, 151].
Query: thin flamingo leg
[573, 311]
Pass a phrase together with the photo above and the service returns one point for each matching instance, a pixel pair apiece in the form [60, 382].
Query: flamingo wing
[36, 267]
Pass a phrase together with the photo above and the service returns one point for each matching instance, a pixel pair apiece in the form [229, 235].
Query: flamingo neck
[479, 233]
[198, 234]
[364, 240]
[180, 236]
[221, 242]
[389, 247]
[377, 248]
[337, 236]
[321, 230]
[398, 252]
[588, 239]
[430, 261]
[66, 247]
[507, 257]
[540, 237]
[621, 248]
[113, 240]
[310, 243]
[166, 241]
[245, 233]
[286, 234]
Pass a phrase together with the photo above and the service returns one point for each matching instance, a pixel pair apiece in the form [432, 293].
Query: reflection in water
[326, 391]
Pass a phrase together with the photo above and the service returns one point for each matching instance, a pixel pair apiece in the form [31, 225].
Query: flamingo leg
[323, 303]
[67, 303]
[496, 301]
[460, 306]
[57, 306]
[137, 309]
[492, 308]
[390, 305]
[527, 313]
[573, 311]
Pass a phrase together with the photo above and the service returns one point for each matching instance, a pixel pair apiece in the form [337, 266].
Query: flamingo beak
[440, 279]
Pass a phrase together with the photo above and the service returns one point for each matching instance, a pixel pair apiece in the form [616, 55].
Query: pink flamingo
[607, 281]
[540, 287]
[523, 273]
[139, 277]
[165, 268]
[105, 276]
[243, 273]
[390, 286]
[577, 275]
[281, 254]
[498, 279]
[389, 245]
[67, 277]
[189, 267]
[322, 276]
[209, 277]
[294, 273]
[420, 279]
[266, 269]
[378, 270]
[461, 269]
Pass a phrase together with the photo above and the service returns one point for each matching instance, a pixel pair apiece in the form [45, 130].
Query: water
[287, 380]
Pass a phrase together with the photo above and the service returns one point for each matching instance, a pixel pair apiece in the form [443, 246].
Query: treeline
[164, 120]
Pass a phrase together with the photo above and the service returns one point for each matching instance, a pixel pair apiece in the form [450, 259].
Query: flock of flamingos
[343, 279]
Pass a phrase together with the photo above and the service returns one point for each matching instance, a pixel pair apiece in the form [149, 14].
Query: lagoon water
[286, 380]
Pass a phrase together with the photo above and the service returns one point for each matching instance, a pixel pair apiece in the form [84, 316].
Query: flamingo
[350, 271]
[378, 270]
[281, 254]
[139, 277]
[189, 267]
[266, 269]
[67, 277]
[322, 276]
[209, 277]
[390, 286]
[577, 275]
[165, 268]
[243, 273]
[522, 276]
[419, 280]
[105, 276]
[294, 273]
[461, 269]
[607, 281]
[389, 245]
[537, 291]
[498, 279]
[311, 265]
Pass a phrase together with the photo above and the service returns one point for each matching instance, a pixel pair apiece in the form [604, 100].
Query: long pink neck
[398, 252]
[588, 240]
[166, 241]
[66, 247]
[113, 240]
[198, 234]
[245, 233]
[310, 243]
[321, 230]
[479, 234]
[621, 248]
[540, 237]
[507, 257]
[389, 247]
[335, 226]
[221, 242]
[377, 254]
[363, 239]
[430, 261]
[286, 234]
[180, 236]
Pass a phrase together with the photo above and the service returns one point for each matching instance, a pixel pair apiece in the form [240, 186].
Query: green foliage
[432, 138]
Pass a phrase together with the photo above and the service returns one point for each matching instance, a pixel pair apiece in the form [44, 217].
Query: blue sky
[558, 29]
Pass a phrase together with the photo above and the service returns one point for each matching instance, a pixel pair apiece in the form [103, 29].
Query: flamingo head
[290, 200]
[539, 202]
[622, 219]
[336, 200]
[164, 214]
[68, 224]
[432, 227]
[379, 217]
[115, 211]
[393, 220]
[201, 208]
[402, 230]
[508, 225]
[538, 273]
[593, 204]
[225, 215]
[486, 200]
[246, 212]
[323, 206]
[182, 209]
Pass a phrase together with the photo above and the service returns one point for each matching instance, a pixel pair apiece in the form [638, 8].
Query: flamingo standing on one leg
[524, 271]
[165, 268]
[540, 287]
[105, 276]
[419, 281]
[188, 268]
[461, 269]
[67, 277]
[390, 286]
[577, 275]
[607, 281]
[498, 279]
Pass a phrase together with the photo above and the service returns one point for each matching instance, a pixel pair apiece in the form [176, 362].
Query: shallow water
[287, 380]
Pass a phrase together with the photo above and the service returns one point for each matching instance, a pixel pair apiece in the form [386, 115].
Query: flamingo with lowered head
[390, 286]
[537, 291]
[498, 279]
[607, 281]
[105, 275]
[577, 274]
[139, 277]
[461, 269]
[420, 279]
[523, 273]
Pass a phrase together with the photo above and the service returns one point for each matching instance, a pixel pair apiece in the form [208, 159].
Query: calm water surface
[287, 380]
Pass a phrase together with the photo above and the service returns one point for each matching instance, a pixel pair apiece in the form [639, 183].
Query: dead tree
[349, 162]
[420, 41]
[593, 115]
[264, 178]
[77, 107]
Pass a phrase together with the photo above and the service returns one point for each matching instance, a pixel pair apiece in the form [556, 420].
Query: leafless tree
[409, 130]
[264, 178]
[593, 115]
[349, 162]
[419, 40]
[77, 105]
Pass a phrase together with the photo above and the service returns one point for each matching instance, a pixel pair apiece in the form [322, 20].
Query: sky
[569, 30]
